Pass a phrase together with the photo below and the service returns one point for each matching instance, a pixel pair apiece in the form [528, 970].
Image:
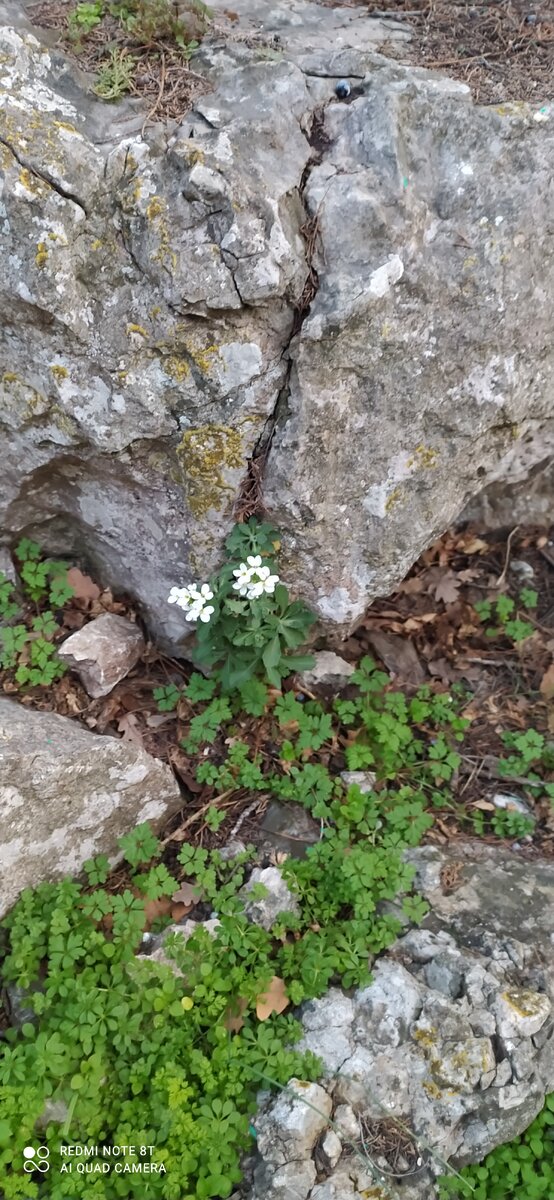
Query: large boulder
[446, 1054]
[362, 290]
[67, 794]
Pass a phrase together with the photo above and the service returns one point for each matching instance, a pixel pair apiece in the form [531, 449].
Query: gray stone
[278, 898]
[7, 569]
[510, 802]
[520, 1012]
[347, 1122]
[289, 829]
[152, 284]
[445, 974]
[329, 671]
[364, 780]
[103, 652]
[298, 1117]
[67, 795]
[331, 1146]
[424, 1036]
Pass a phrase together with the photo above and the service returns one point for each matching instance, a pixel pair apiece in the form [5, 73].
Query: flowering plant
[247, 623]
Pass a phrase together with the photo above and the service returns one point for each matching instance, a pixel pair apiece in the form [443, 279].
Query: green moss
[203, 455]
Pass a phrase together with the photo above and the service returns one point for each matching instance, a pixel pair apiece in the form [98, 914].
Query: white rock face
[103, 652]
[329, 670]
[67, 795]
[150, 295]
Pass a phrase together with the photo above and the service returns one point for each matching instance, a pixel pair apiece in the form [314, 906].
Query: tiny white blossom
[254, 560]
[206, 613]
[255, 590]
[271, 583]
[180, 596]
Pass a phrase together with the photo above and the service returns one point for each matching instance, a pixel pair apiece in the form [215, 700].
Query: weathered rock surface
[103, 652]
[152, 300]
[329, 671]
[278, 897]
[454, 1036]
[67, 795]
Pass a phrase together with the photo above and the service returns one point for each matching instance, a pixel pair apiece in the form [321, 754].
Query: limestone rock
[331, 1146]
[152, 285]
[364, 780]
[298, 1118]
[103, 652]
[452, 1036]
[329, 671]
[278, 898]
[67, 795]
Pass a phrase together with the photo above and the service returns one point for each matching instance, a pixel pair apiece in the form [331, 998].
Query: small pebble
[342, 89]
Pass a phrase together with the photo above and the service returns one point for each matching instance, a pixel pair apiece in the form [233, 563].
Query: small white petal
[206, 613]
[255, 590]
[263, 572]
[205, 592]
[254, 560]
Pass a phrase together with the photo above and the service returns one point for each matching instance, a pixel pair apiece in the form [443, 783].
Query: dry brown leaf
[128, 726]
[187, 894]
[484, 805]
[156, 908]
[447, 588]
[178, 911]
[547, 683]
[411, 587]
[84, 588]
[470, 544]
[275, 1000]
[233, 1017]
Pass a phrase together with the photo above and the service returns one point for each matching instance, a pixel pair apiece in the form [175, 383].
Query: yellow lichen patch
[394, 499]
[470, 262]
[31, 182]
[41, 256]
[10, 377]
[136, 329]
[425, 1037]
[423, 456]
[96, 244]
[203, 455]
[69, 128]
[194, 156]
[203, 359]
[59, 372]
[177, 367]
[155, 207]
[524, 1003]
[432, 1089]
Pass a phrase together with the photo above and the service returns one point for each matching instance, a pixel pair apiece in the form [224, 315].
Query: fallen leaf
[187, 894]
[178, 911]
[471, 545]
[411, 587]
[484, 805]
[547, 683]
[128, 726]
[447, 588]
[156, 720]
[156, 908]
[469, 574]
[398, 654]
[84, 588]
[233, 1017]
[275, 1000]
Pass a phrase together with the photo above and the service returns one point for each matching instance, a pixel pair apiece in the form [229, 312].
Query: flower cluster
[194, 601]
[252, 580]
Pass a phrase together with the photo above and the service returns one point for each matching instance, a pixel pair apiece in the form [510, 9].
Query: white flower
[254, 560]
[180, 596]
[206, 613]
[265, 584]
[242, 576]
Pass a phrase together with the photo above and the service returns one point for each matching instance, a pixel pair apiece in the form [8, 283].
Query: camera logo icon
[36, 1159]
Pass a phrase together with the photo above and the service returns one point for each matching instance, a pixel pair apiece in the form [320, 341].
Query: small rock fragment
[332, 1147]
[521, 1013]
[279, 898]
[507, 801]
[347, 1122]
[7, 568]
[329, 670]
[364, 780]
[103, 652]
[297, 1119]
